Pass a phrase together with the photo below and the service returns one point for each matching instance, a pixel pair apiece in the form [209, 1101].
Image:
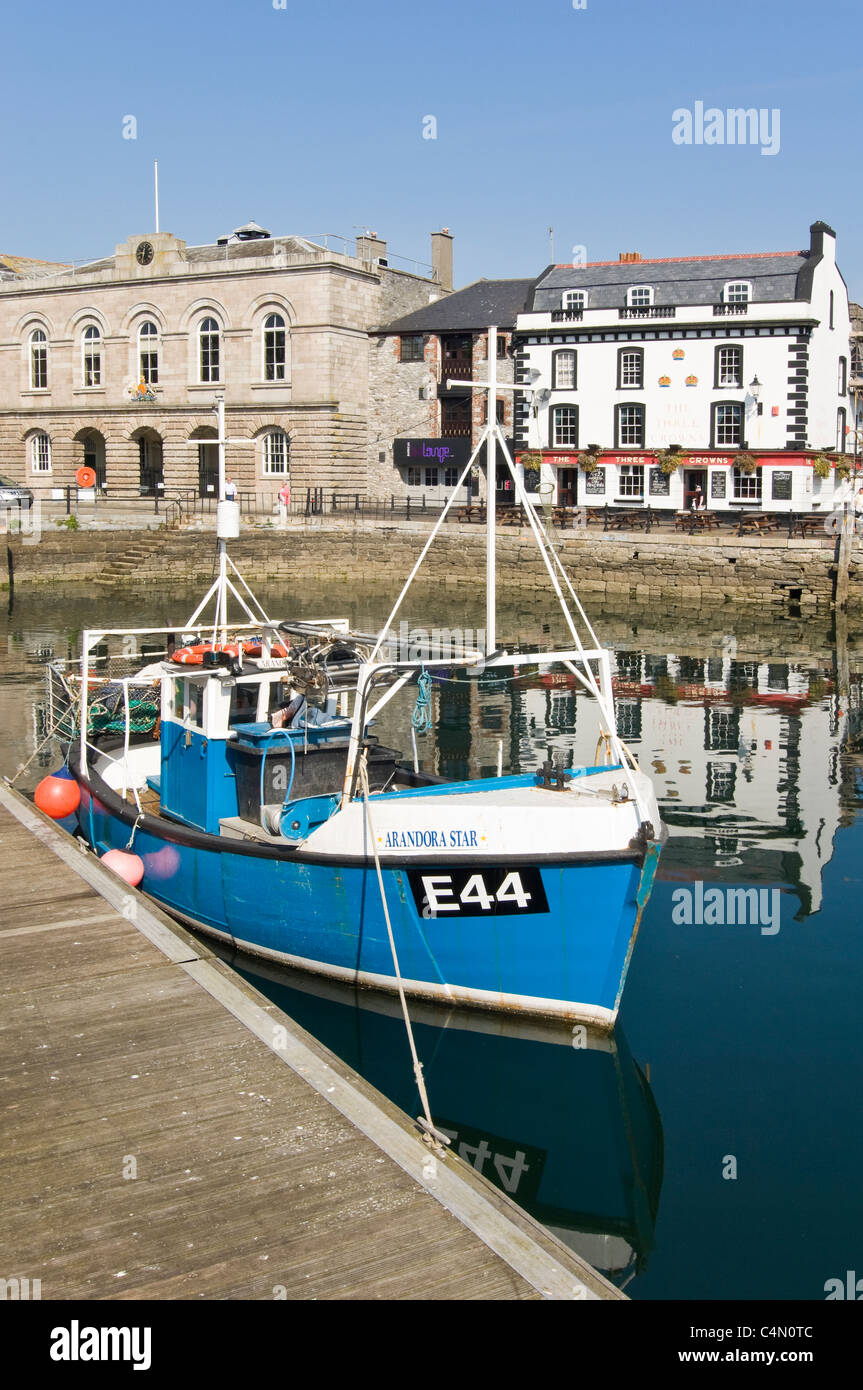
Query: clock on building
[144, 253]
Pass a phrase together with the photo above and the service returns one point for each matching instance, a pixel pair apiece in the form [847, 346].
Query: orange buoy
[129, 867]
[57, 796]
[85, 477]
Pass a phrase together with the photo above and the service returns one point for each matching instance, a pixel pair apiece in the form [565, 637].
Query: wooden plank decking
[264, 1166]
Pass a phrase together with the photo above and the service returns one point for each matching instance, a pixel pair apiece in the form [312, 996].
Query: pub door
[567, 487]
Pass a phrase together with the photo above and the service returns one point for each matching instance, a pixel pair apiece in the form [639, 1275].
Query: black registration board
[472, 890]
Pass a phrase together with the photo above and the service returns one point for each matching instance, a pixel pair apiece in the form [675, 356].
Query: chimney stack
[628, 257]
[441, 255]
[817, 248]
[371, 248]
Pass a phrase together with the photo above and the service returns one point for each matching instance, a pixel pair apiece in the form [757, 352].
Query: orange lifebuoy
[85, 477]
[194, 655]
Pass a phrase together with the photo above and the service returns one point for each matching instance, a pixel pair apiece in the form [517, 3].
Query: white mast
[491, 501]
[156, 189]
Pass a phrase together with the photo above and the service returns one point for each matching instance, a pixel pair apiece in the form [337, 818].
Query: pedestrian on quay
[230, 490]
[284, 503]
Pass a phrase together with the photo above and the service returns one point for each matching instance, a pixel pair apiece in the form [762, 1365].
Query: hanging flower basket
[530, 461]
[843, 469]
[670, 460]
[589, 460]
[747, 463]
[821, 466]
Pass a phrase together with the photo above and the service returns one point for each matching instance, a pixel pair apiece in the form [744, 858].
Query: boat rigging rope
[432, 1136]
[421, 719]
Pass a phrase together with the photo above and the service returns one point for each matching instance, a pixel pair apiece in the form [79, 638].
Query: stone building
[742, 361]
[422, 429]
[117, 364]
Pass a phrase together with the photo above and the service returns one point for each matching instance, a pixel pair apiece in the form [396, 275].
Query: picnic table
[510, 516]
[625, 520]
[758, 523]
[697, 520]
[811, 525]
[474, 512]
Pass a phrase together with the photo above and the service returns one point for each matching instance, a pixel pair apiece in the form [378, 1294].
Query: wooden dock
[168, 1133]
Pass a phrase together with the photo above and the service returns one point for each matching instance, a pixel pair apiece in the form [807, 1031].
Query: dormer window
[574, 299]
[737, 292]
[639, 296]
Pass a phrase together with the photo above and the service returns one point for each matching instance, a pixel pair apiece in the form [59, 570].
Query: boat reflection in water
[558, 1116]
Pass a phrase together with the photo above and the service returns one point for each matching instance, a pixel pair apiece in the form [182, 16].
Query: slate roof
[680, 280]
[479, 305]
[27, 265]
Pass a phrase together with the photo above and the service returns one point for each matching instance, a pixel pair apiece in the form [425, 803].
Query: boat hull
[568, 959]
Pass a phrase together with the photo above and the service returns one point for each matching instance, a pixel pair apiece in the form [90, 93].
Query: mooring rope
[432, 1136]
[421, 719]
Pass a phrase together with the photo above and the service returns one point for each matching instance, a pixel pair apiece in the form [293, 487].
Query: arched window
[573, 299]
[148, 353]
[276, 454]
[38, 360]
[630, 369]
[91, 344]
[208, 342]
[563, 377]
[40, 452]
[274, 348]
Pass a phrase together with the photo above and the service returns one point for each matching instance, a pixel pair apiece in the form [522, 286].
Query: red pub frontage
[777, 480]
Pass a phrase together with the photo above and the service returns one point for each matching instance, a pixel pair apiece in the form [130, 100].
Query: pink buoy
[58, 797]
[129, 867]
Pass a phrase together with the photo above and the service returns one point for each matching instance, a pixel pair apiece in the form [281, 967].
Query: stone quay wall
[678, 572]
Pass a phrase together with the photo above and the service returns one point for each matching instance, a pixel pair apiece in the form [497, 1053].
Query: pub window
[564, 427]
[502, 345]
[726, 425]
[431, 477]
[208, 343]
[91, 345]
[629, 426]
[563, 376]
[38, 360]
[631, 480]
[275, 339]
[728, 367]
[747, 486]
[450, 477]
[148, 353]
[831, 308]
[843, 375]
[630, 368]
[412, 347]
[499, 411]
[414, 477]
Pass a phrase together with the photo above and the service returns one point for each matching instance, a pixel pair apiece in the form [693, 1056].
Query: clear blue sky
[310, 119]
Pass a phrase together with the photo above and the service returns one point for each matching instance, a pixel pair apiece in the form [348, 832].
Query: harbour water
[712, 1149]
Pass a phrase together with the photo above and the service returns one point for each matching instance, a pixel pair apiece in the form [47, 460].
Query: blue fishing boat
[236, 777]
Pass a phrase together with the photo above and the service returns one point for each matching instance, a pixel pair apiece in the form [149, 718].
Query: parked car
[14, 494]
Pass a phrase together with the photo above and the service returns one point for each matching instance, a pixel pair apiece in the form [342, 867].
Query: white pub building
[720, 381]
